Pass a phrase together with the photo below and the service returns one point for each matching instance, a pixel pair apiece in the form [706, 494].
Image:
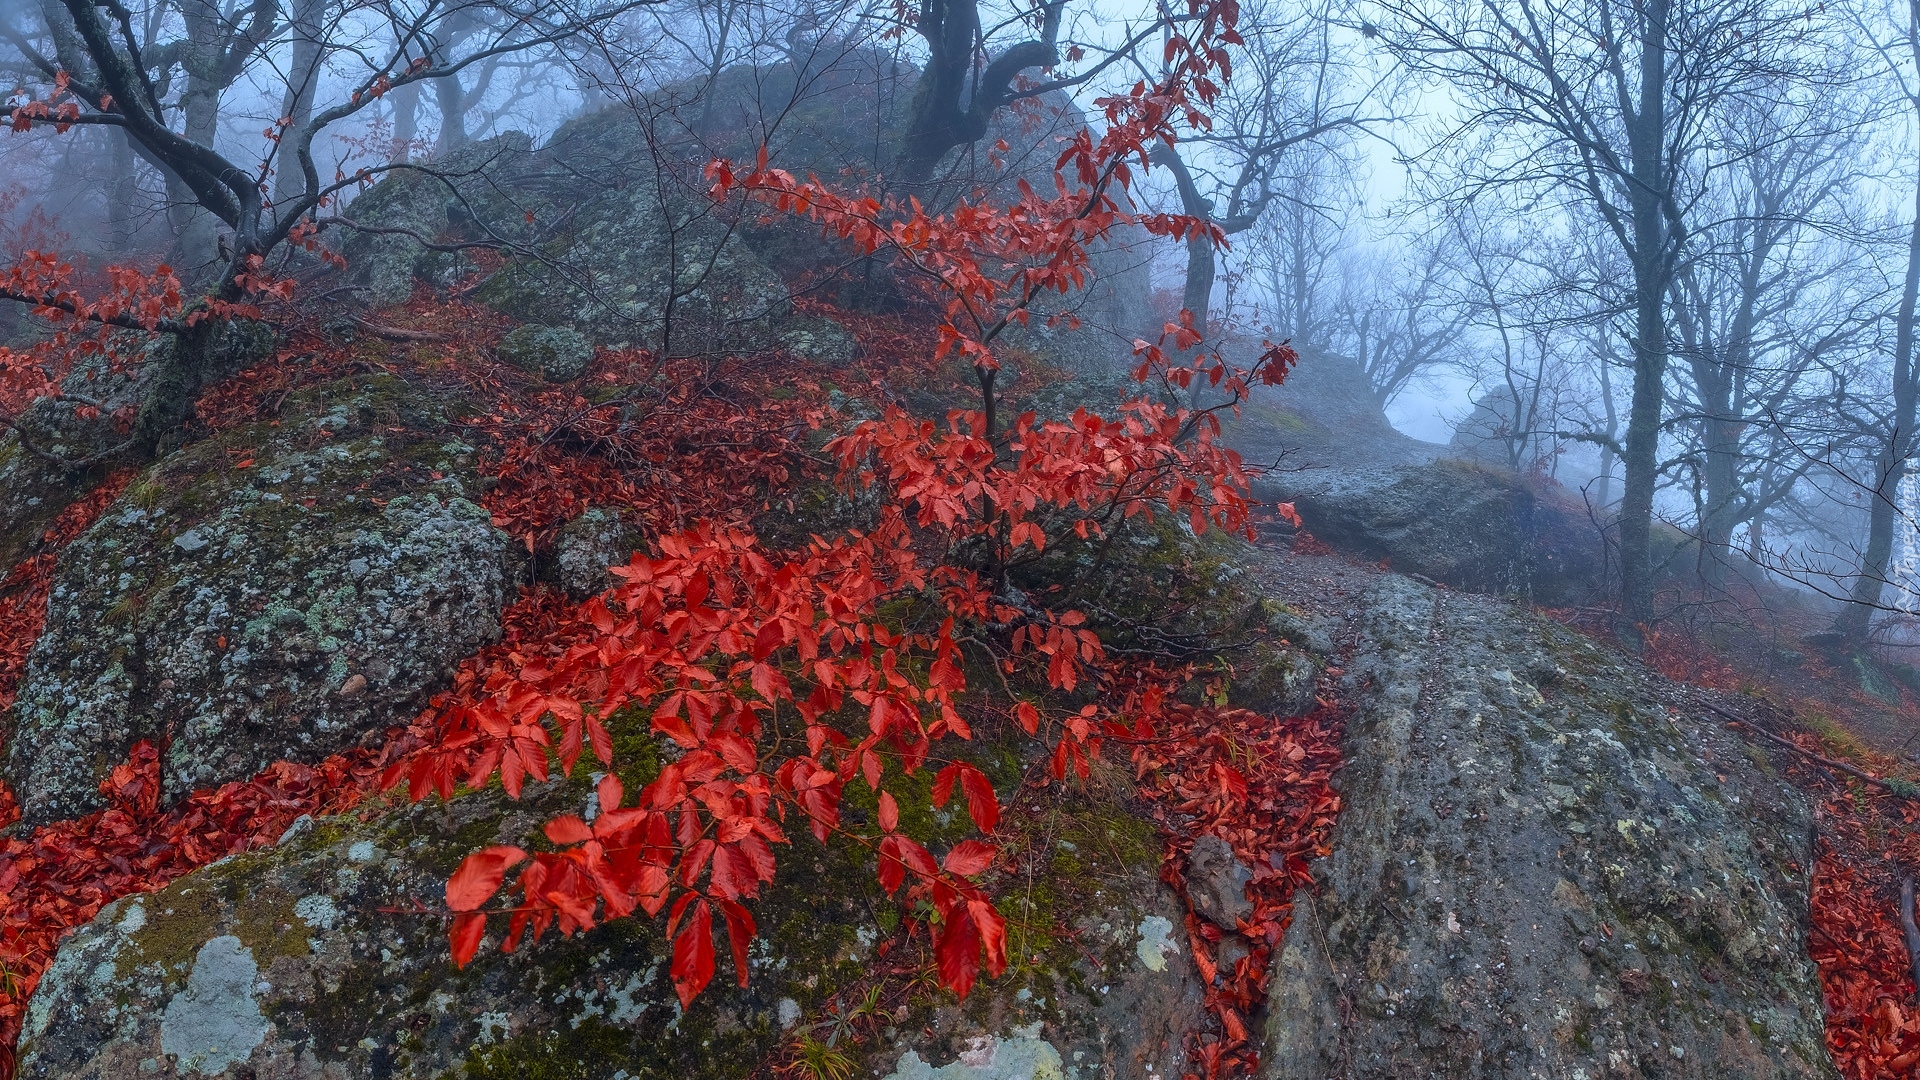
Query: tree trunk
[195, 231]
[121, 221]
[302, 75]
[1197, 296]
[406, 119]
[452, 99]
[1641, 459]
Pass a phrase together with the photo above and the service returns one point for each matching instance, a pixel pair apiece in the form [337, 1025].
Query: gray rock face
[1540, 872]
[554, 353]
[33, 489]
[1217, 882]
[473, 187]
[240, 616]
[1365, 488]
[587, 546]
[629, 271]
[1469, 526]
[309, 961]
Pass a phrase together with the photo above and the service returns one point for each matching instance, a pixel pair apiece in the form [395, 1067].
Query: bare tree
[1396, 313]
[1764, 300]
[1605, 107]
[1894, 33]
[114, 84]
[1281, 131]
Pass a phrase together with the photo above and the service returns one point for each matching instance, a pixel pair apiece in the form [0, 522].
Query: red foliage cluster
[671, 457]
[63, 874]
[714, 634]
[1873, 1029]
[1265, 787]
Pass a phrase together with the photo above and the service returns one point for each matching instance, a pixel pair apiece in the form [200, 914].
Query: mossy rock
[326, 956]
[277, 592]
[588, 545]
[468, 193]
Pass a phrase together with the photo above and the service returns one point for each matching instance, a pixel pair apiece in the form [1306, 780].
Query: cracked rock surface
[1540, 870]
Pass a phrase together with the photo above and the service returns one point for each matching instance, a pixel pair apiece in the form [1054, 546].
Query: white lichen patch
[620, 1005]
[216, 1022]
[1156, 942]
[318, 911]
[1022, 1055]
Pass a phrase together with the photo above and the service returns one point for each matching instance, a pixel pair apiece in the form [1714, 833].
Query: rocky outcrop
[554, 353]
[326, 957]
[605, 241]
[608, 227]
[275, 593]
[62, 447]
[1365, 488]
[1542, 870]
[1470, 526]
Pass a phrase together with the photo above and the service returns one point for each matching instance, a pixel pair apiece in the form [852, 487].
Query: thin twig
[397, 333]
[1912, 930]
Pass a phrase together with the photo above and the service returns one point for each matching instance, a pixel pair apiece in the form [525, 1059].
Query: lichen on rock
[1541, 870]
[555, 353]
[276, 593]
[588, 545]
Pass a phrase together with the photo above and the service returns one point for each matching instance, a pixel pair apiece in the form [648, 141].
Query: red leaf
[993, 934]
[982, 805]
[693, 955]
[740, 931]
[468, 928]
[958, 952]
[479, 876]
[568, 829]
[889, 813]
[943, 784]
[970, 857]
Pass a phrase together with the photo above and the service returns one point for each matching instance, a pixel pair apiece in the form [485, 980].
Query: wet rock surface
[1217, 882]
[1541, 871]
[1469, 526]
[277, 593]
[326, 957]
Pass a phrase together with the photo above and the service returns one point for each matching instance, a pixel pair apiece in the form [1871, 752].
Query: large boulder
[1367, 489]
[276, 593]
[469, 192]
[633, 267]
[1541, 869]
[327, 957]
[1470, 526]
